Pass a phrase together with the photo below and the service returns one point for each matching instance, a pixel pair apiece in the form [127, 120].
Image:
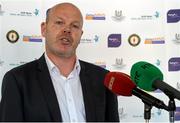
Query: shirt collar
[52, 66]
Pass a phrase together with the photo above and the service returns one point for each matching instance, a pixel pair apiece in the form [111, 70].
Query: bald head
[64, 7]
[62, 30]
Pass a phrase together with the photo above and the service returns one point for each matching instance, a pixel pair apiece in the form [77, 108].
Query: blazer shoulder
[25, 68]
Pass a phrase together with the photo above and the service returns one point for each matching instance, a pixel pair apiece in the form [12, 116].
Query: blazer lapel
[48, 90]
[87, 95]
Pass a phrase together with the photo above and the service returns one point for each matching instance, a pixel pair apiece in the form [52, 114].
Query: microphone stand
[147, 112]
[172, 108]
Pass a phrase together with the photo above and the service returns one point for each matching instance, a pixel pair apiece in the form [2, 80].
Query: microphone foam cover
[119, 83]
[144, 74]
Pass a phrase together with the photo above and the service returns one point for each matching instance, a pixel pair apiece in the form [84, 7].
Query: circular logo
[12, 36]
[134, 40]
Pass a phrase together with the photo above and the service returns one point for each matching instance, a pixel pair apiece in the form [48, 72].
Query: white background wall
[146, 18]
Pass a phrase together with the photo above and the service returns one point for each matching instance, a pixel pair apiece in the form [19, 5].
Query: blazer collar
[48, 89]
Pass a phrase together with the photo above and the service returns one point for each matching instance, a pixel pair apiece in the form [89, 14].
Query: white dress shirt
[69, 92]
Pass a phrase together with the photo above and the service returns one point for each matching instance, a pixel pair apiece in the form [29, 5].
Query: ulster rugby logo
[12, 36]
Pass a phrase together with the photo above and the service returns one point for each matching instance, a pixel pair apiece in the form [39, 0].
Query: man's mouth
[66, 41]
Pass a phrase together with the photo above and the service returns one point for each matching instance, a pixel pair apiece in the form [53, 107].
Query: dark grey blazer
[28, 94]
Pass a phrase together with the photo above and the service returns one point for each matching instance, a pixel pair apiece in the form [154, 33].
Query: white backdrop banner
[117, 34]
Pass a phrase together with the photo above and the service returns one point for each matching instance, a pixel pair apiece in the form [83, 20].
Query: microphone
[148, 77]
[121, 84]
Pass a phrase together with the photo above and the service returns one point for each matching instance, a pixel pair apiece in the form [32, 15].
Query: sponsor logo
[119, 63]
[177, 38]
[101, 64]
[173, 16]
[174, 64]
[157, 91]
[154, 114]
[155, 15]
[1, 63]
[95, 39]
[122, 114]
[32, 38]
[114, 40]
[118, 16]
[158, 62]
[12, 36]
[178, 86]
[35, 12]
[159, 40]
[1, 11]
[177, 114]
[95, 16]
[158, 112]
[137, 115]
[17, 64]
[134, 40]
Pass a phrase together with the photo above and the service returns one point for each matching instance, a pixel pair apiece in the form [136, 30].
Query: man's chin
[66, 54]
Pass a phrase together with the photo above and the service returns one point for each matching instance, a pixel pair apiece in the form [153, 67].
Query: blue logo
[96, 38]
[36, 12]
[173, 16]
[158, 62]
[174, 64]
[157, 14]
[114, 40]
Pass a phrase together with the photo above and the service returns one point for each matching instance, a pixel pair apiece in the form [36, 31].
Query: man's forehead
[70, 10]
[65, 6]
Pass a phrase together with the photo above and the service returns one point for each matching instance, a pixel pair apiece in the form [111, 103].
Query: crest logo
[134, 40]
[177, 38]
[118, 16]
[119, 63]
[12, 36]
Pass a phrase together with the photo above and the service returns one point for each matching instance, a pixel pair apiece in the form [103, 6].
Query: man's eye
[59, 22]
[76, 26]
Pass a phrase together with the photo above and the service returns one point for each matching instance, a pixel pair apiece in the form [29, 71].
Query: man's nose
[67, 29]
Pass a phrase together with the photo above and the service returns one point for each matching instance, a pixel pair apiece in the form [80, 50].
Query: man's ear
[43, 29]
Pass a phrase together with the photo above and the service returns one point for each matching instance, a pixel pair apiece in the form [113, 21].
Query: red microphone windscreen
[119, 83]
